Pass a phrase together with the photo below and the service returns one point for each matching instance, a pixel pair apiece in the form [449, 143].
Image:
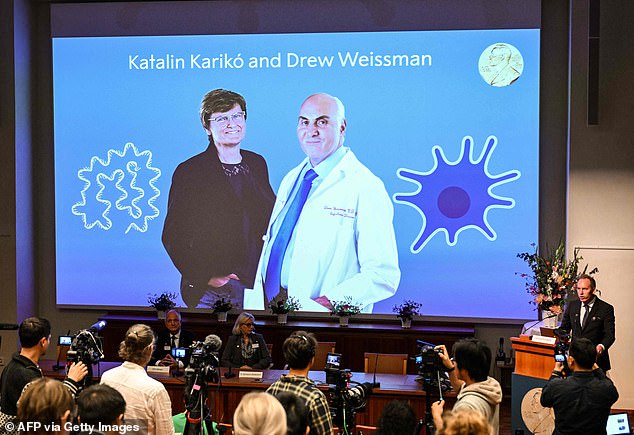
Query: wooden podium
[533, 359]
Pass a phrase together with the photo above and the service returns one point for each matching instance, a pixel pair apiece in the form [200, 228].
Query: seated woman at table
[245, 349]
[147, 401]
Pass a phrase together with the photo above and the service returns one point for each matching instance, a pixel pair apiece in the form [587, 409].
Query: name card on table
[542, 339]
[250, 375]
[158, 370]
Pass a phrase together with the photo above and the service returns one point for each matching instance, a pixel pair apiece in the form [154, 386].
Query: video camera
[562, 346]
[347, 397]
[87, 346]
[431, 370]
[204, 359]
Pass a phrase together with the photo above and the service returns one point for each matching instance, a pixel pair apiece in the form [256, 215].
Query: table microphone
[375, 384]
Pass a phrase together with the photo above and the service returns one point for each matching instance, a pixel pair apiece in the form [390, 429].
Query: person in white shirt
[147, 401]
[331, 233]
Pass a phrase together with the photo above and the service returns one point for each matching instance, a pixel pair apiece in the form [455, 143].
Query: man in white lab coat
[341, 241]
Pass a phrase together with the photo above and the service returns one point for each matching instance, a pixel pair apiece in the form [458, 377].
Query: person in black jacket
[174, 336]
[35, 337]
[597, 325]
[218, 208]
[245, 349]
[582, 401]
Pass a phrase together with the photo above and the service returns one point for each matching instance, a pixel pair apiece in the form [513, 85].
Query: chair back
[391, 363]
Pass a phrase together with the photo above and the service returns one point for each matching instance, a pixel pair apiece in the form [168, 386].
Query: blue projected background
[458, 156]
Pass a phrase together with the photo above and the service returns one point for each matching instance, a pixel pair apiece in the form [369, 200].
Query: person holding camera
[469, 376]
[299, 353]
[583, 400]
[35, 337]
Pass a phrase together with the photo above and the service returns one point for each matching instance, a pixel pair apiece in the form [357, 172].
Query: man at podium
[591, 318]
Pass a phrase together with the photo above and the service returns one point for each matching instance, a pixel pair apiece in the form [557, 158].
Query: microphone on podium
[375, 384]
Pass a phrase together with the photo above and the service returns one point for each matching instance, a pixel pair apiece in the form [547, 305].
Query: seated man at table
[299, 353]
[170, 338]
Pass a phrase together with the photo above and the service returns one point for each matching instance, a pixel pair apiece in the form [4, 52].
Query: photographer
[35, 337]
[582, 401]
[469, 376]
[299, 353]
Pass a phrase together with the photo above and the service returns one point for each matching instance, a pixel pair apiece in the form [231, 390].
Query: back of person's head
[583, 352]
[474, 356]
[296, 413]
[45, 401]
[299, 349]
[397, 418]
[465, 422]
[137, 345]
[259, 413]
[32, 330]
[100, 404]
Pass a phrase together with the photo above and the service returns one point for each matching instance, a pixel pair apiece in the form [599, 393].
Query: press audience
[259, 414]
[583, 400]
[101, 407]
[397, 418]
[147, 401]
[299, 353]
[35, 337]
[45, 407]
[465, 422]
[296, 414]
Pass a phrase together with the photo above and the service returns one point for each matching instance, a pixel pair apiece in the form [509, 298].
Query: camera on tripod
[86, 346]
[347, 397]
[204, 361]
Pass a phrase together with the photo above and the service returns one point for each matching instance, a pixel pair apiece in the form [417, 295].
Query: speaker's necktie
[276, 257]
[585, 315]
[173, 341]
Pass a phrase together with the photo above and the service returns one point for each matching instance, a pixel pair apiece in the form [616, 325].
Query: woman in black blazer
[245, 349]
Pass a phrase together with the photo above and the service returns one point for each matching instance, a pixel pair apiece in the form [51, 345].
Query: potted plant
[344, 310]
[552, 280]
[162, 302]
[283, 307]
[221, 306]
[406, 312]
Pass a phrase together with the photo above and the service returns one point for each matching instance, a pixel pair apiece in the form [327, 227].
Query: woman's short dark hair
[32, 330]
[134, 347]
[220, 100]
[296, 413]
[299, 349]
[397, 418]
[100, 404]
[474, 356]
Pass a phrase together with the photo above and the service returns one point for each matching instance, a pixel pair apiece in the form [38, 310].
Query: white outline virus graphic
[106, 182]
[455, 196]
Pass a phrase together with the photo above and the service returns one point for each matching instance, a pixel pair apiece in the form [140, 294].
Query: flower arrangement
[162, 302]
[554, 277]
[222, 305]
[345, 308]
[407, 310]
[285, 306]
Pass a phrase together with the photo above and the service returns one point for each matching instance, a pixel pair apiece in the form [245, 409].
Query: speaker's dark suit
[599, 328]
[164, 340]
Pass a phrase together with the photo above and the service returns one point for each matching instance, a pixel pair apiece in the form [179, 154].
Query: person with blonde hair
[259, 414]
[147, 401]
[465, 422]
[45, 406]
[246, 349]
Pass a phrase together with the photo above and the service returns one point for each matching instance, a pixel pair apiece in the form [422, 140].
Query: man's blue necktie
[278, 250]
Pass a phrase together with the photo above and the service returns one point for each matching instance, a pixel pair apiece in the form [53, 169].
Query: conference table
[225, 395]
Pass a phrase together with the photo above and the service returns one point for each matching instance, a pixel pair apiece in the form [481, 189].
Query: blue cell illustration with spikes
[125, 179]
[456, 196]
